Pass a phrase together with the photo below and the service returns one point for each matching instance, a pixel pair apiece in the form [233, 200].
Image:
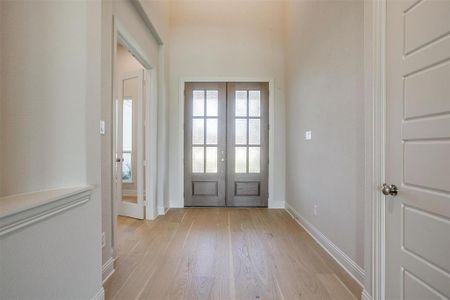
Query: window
[247, 131]
[205, 131]
[127, 133]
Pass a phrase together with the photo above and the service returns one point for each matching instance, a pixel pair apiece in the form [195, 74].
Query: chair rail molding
[21, 210]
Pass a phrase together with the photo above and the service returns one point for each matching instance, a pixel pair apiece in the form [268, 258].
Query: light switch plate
[308, 135]
[102, 127]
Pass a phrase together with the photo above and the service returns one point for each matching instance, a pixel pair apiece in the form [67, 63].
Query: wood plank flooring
[223, 253]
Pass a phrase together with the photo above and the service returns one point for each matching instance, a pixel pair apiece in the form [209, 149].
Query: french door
[226, 144]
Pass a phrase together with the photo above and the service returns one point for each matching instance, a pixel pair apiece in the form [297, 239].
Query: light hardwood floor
[223, 253]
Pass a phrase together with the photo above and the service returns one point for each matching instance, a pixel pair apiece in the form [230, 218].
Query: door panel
[247, 144]
[129, 139]
[418, 150]
[205, 139]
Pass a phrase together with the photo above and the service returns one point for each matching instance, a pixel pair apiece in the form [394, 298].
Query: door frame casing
[271, 203]
[150, 100]
[375, 147]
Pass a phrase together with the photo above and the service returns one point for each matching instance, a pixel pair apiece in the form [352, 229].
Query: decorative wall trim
[375, 123]
[141, 11]
[355, 271]
[35, 207]
[100, 295]
[365, 295]
[108, 269]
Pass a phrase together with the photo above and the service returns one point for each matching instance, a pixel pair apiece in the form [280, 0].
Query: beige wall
[49, 114]
[44, 109]
[324, 71]
[1, 96]
[226, 39]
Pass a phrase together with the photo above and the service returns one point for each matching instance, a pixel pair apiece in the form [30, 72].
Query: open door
[130, 145]
[418, 150]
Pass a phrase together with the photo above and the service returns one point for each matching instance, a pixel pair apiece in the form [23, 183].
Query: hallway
[221, 253]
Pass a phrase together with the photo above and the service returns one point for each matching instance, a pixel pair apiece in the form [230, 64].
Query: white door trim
[375, 146]
[272, 203]
[123, 35]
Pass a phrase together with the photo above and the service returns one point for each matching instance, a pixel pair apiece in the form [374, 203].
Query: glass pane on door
[198, 131]
[254, 160]
[254, 103]
[212, 102]
[198, 160]
[211, 159]
[198, 103]
[240, 131]
[240, 159]
[211, 131]
[254, 131]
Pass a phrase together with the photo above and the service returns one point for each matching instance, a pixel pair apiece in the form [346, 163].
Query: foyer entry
[226, 140]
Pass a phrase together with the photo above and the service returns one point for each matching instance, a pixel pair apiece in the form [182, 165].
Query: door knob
[389, 189]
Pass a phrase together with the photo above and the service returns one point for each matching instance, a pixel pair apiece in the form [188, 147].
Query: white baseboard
[365, 295]
[100, 295]
[277, 204]
[176, 204]
[108, 269]
[355, 271]
[129, 193]
[163, 210]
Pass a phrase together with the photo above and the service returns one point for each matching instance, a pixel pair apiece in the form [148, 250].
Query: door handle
[389, 190]
[118, 160]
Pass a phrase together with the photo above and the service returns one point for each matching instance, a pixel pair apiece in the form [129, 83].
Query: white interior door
[418, 150]
[130, 145]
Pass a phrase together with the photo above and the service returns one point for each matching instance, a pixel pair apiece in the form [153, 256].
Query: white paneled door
[418, 150]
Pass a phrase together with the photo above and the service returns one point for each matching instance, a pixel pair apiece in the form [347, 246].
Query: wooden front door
[226, 144]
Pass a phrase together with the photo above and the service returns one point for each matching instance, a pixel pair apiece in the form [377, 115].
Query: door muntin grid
[205, 122]
[247, 141]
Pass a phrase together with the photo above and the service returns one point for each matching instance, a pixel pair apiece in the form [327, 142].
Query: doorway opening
[226, 144]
